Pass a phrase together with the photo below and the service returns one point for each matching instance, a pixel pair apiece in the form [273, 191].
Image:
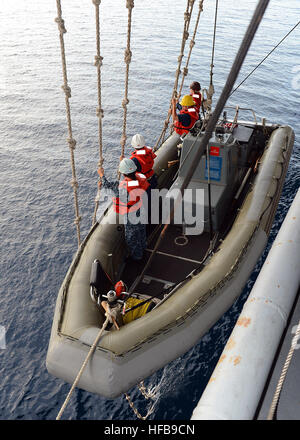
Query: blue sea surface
[38, 236]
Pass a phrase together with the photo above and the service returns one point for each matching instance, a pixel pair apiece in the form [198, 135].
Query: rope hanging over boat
[110, 317]
[213, 51]
[211, 89]
[185, 36]
[89, 355]
[147, 394]
[71, 141]
[125, 102]
[127, 59]
[99, 111]
[192, 44]
[279, 386]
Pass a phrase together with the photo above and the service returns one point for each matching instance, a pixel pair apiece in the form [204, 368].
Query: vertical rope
[71, 141]
[127, 59]
[185, 36]
[283, 374]
[192, 44]
[211, 89]
[99, 111]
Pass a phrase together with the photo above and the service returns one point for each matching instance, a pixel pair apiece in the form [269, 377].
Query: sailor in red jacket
[187, 116]
[143, 157]
[130, 192]
[195, 92]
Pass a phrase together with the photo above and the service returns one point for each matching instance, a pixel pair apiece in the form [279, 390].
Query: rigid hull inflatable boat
[192, 279]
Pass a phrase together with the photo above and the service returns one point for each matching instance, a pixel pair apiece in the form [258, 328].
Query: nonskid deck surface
[171, 263]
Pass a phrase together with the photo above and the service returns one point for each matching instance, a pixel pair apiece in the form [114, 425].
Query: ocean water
[38, 237]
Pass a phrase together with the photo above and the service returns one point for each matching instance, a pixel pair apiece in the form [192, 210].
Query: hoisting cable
[210, 92]
[211, 89]
[192, 44]
[67, 90]
[127, 59]
[279, 386]
[274, 48]
[99, 111]
[89, 355]
[213, 46]
[236, 66]
[185, 36]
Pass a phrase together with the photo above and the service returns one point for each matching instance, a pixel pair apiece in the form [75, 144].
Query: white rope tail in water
[152, 394]
[90, 353]
[135, 410]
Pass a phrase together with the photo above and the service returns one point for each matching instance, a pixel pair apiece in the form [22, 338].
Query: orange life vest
[181, 129]
[135, 190]
[197, 98]
[146, 157]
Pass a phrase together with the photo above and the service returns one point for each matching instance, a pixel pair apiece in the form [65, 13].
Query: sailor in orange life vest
[187, 116]
[143, 157]
[195, 93]
[129, 193]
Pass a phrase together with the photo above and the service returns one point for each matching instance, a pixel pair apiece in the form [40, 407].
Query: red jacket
[146, 157]
[197, 98]
[181, 129]
[135, 190]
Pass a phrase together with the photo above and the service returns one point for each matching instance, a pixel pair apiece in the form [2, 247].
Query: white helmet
[138, 141]
[127, 166]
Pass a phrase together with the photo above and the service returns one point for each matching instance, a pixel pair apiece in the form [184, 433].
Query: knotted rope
[70, 140]
[192, 44]
[127, 60]
[211, 89]
[185, 36]
[99, 110]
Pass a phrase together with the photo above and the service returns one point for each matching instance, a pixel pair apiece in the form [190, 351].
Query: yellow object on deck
[136, 313]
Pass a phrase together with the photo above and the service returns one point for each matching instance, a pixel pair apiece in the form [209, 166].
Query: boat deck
[177, 257]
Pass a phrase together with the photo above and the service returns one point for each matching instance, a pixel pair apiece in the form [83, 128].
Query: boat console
[228, 158]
